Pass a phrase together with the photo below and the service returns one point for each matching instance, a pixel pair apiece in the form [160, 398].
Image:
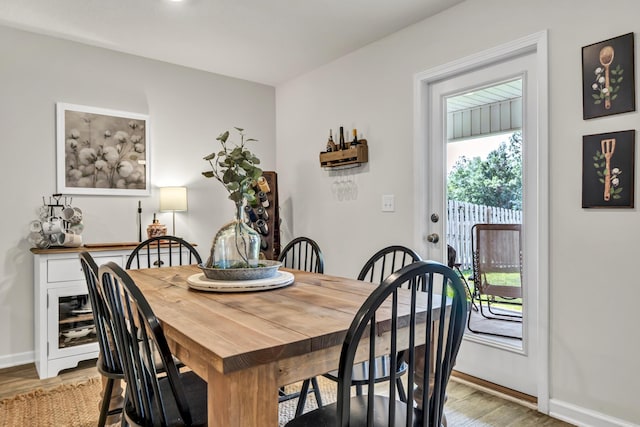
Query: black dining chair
[415, 316]
[160, 250]
[108, 364]
[302, 253]
[382, 264]
[172, 399]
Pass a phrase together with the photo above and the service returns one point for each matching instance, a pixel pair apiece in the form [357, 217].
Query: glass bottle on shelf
[250, 213]
[331, 146]
[343, 146]
[262, 227]
[262, 213]
[354, 142]
[262, 196]
[263, 185]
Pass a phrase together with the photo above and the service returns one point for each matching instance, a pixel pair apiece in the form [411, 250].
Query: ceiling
[266, 41]
[489, 95]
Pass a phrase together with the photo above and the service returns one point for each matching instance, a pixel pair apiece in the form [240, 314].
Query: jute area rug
[76, 405]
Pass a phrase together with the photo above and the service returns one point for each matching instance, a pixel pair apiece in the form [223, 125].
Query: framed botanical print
[608, 173]
[102, 152]
[608, 77]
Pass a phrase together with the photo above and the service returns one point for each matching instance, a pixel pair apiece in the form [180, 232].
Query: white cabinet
[64, 331]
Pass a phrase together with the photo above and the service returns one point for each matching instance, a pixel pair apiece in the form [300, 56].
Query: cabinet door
[60, 270]
[71, 329]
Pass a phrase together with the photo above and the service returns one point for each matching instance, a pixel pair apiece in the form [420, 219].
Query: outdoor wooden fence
[461, 216]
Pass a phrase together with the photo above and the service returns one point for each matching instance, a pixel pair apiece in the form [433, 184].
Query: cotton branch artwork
[102, 152]
[607, 80]
[608, 169]
[608, 177]
[608, 77]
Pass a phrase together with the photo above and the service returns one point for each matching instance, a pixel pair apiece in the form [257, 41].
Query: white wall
[188, 109]
[594, 339]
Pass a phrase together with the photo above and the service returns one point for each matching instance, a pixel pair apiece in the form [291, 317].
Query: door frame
[534, 43]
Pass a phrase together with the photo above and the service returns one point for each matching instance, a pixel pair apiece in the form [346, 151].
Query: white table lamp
[173, 199]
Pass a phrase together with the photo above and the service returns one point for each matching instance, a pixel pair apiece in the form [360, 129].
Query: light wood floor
[21, 379]
[472, 407]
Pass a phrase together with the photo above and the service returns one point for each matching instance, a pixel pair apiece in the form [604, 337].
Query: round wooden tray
[200, 282]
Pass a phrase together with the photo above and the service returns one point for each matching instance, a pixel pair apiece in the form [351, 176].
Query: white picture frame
[101, 151]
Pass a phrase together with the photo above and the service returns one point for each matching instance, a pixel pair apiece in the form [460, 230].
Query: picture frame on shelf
[608, 170]
[608, 77]
[101, 151]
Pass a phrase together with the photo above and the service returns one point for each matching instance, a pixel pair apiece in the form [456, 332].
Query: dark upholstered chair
[108, 364]
[429, 366]
[302, 253]
[148, 253]
[381, 265]
[173, 399]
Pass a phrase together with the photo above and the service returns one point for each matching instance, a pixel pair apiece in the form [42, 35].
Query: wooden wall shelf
[351, 156]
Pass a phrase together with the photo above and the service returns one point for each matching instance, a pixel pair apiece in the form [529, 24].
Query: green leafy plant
[235, 167]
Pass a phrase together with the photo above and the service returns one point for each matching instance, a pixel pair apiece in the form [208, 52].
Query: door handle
[433, 238]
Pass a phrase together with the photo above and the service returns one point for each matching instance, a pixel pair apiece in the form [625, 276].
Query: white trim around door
[422, 81]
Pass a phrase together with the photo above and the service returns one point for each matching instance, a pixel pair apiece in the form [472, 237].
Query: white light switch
[388, 203]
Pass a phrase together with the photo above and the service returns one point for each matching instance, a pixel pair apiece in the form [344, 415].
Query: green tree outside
[496, 181]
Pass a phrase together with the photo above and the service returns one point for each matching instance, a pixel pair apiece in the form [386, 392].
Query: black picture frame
[620, 148]
[608, 77]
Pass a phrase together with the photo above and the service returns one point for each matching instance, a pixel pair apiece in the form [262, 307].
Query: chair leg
[501, 316]
[316, 391]
[483, 332]
[302, 399]
[467, 287]
[358, 390]
[401, 392]
[498, 316]
[104, 405]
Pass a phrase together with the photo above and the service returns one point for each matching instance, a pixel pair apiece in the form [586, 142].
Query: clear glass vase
[236, 245]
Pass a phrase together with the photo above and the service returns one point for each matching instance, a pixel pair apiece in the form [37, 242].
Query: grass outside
[503, 279]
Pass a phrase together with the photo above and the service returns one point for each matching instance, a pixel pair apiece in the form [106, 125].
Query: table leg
[243, 398]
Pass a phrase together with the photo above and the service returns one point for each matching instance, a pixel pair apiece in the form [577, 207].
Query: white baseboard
[584, 417]
[17, 359]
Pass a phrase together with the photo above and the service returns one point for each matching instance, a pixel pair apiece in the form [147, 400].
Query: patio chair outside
[497, 271]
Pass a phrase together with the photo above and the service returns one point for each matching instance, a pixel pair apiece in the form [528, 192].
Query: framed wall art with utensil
[608, 171]
[608, 84]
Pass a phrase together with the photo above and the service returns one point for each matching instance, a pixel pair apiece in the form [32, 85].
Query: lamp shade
[173, 199]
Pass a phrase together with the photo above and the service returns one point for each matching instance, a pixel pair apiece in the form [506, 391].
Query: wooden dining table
[248, 344]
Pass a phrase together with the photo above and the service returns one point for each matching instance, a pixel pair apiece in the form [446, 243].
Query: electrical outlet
[388, 203]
